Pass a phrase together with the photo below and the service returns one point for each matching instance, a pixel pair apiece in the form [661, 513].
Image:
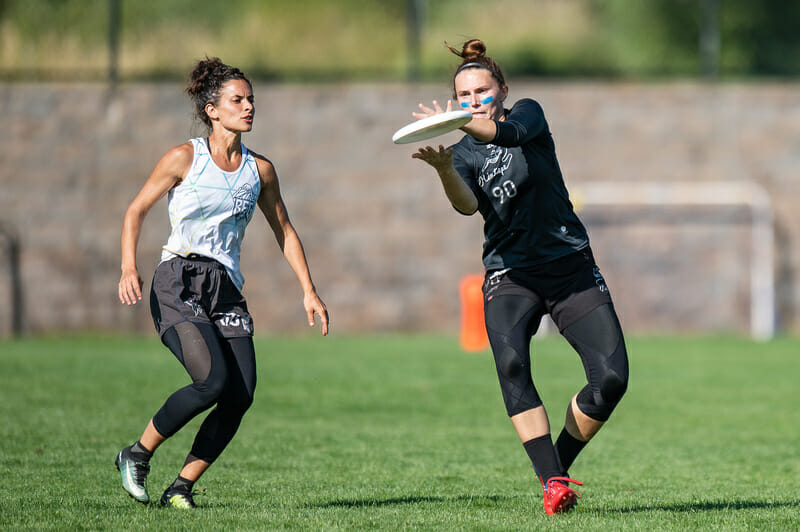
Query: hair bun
[473, 49]
[204, 70]
[470, 50]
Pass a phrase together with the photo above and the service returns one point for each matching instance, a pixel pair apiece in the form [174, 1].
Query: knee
[509, 364]
[235, 405]
[211, 389]
[599, 399]
[614, 382]
[613, 386]
[242, 402]
[516, 384]
[602, 402]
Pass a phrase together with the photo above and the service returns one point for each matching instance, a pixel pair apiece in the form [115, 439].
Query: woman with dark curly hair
[538, 261]
[214, 184]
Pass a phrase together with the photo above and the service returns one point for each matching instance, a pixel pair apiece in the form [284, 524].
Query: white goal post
[705, 194]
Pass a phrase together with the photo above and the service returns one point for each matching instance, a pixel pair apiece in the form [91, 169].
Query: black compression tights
[511, 320]
[597, 337]
[223, 372]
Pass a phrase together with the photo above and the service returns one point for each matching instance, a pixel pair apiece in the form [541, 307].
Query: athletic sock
[567, 448]
[543, 457]
[183, 484]
[140, 452]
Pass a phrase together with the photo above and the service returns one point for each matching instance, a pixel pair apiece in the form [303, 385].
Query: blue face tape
[488, 99]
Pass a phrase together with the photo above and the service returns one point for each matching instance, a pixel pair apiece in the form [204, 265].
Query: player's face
[235, 109]
[479, 93]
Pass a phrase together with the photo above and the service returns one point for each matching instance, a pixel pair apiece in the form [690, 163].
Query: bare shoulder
[180, 155]
[177, 161]
[266, 170]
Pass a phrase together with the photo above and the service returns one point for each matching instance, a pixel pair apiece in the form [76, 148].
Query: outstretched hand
[314, 305]
[437, 109]
[439, 159]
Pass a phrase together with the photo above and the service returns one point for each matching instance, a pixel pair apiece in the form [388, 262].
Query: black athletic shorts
[567, 288]
[198, 289]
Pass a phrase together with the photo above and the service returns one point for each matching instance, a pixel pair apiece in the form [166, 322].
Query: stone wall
[385, 249]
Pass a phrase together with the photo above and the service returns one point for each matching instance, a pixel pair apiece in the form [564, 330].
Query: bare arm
[271, 204]
[168, 172]
[482, 129]
[456, 190]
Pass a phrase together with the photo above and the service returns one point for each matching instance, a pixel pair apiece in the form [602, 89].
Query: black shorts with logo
[198, 289]
[567, 288]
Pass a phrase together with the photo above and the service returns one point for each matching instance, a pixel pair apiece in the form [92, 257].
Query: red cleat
[558, 497]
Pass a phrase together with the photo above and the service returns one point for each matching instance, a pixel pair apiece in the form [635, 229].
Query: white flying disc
[432, 126]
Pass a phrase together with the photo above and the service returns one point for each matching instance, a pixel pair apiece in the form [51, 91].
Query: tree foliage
[368, 39]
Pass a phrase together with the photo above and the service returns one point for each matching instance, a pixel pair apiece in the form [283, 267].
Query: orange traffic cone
[473, 328]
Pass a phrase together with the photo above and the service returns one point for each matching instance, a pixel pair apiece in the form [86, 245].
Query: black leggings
[223, 372]
[511, 321]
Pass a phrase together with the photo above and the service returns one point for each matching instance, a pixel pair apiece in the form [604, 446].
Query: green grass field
[396, 432]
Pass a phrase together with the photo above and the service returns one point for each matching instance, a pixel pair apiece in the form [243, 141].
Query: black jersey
[528, 217]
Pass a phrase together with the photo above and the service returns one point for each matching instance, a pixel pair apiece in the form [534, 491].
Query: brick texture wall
[385, 249]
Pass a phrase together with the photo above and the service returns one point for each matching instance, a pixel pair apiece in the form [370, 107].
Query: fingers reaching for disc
[437, 109]
[431, 125]
[436, 158]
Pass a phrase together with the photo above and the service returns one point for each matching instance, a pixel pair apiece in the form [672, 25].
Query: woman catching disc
[538, 261]
[214, 184]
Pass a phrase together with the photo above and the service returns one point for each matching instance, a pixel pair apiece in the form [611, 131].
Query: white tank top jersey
[210, 209]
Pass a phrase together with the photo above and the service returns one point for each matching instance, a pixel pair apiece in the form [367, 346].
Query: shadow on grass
[710, 506]
[493, 500]
[479, 500]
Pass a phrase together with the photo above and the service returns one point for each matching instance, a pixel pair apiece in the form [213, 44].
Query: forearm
[482, 129]
[131, 227]
[457, 192]
[295, 255]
